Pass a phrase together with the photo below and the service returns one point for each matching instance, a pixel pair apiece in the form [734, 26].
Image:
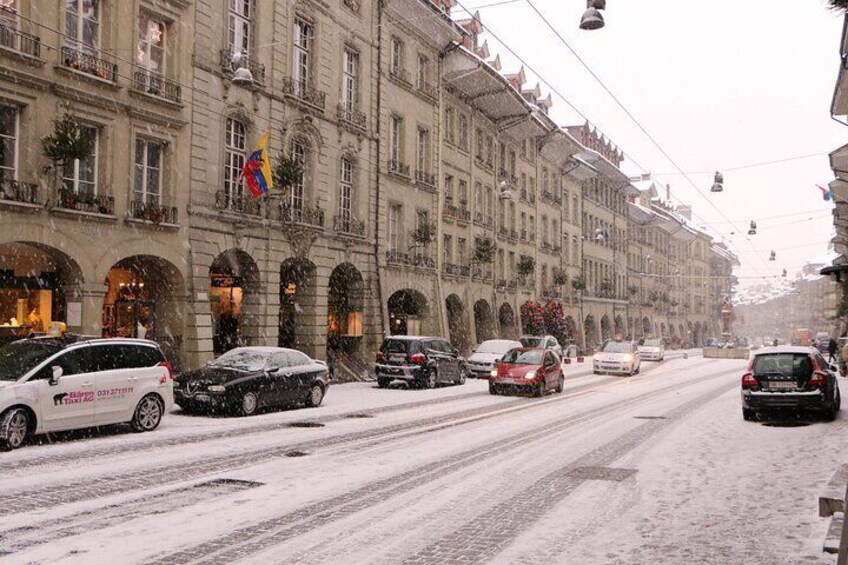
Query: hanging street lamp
[718, 183]
[753, 229]
[592, 18]
[773, 256]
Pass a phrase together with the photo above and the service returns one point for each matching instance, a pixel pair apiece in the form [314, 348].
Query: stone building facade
[434, 194]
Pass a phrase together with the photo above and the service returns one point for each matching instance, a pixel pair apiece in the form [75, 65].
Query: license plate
[782, 385]
[397, 358]
[507, 381]
[203, 397]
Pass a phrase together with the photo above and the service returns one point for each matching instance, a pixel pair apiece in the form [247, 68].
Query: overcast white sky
[719, 84]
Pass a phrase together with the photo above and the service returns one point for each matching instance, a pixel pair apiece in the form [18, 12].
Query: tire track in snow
[258, 537]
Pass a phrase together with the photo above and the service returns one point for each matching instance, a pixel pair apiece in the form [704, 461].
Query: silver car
[484, 356]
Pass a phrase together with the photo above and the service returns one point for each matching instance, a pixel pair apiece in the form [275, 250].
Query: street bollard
[685, 355]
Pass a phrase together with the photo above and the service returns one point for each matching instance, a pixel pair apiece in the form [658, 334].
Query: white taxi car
[620, 357]
[65, 383]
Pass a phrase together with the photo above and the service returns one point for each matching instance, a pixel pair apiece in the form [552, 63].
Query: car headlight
[628, 358]
[216, 388]
[530, 375]
[493, 373]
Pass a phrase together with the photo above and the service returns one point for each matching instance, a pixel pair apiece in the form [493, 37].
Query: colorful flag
[257, 169]
[826, 194]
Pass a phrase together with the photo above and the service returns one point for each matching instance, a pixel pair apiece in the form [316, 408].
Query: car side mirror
[56, 373]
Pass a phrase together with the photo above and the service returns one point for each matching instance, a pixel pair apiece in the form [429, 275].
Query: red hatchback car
[527, 369]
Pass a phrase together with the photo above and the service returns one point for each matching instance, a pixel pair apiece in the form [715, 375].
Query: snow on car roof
[786, 349]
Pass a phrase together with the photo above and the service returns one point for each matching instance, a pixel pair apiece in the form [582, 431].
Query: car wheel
[748, 415]
[148, 414]
[249, 404]
[540, 389]
[560, 385]
[832, 409]
[493, 389]
[431, 379]
[462, 376]
[383, 383]
[316, 395]
[14, 429]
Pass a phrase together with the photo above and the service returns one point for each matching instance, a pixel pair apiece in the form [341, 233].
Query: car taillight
[749, 380]
[380, 357]
[418, 359]
[819, 378]
[167, 365]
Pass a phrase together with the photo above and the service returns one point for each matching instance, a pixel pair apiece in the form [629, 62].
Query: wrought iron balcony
[87, 62]
[153, 212]
[456, 269]
[349, 115]
[513, 234]
[395, 257]
[155, 84]
[312, 217]
[545, 246]
[348, 225]
[450, 211]
[512, 284]
[21, 192]
[423, 260]
[551, 292]
[399, 73]
[304, 93]
[256, 69]
[480, 272]
[20, 42]
[398, 168]
[425, 178]
[501, 284]
[241, 203]
[84, 202]
[463, 214]
[503, 231]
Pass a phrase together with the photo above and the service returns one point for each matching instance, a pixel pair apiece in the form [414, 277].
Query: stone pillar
[91, 299]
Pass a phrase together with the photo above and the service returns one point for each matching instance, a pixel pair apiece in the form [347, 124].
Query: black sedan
[246, 379]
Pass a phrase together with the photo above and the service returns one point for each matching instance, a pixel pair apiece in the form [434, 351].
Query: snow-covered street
[658, 468]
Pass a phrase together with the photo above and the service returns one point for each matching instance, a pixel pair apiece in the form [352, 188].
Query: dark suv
[420, 361]
[789, 377]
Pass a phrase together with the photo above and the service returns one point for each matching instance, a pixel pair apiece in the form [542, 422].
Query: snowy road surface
[655, 469]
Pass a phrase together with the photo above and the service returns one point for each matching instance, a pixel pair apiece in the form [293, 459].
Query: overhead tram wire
[750, 166]
[637, 122]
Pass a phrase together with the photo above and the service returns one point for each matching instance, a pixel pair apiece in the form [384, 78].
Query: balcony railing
[88, 63]
[20, 41]
[456, 270]
[501, 284]
[304, 93]
[155, 84]
[394, 257]
[423, 260]
[312, 217]
[399, 73]
[348, 225]
[241, 203]
[351, 116]
[425, 178]
[21, 192]
[503, 231]
[153, 212]
[463, 214]
[513, 234]
[256, 68]
[481, 272]
[84, 202]
[545, 246]
[551, 292]
[398, 168]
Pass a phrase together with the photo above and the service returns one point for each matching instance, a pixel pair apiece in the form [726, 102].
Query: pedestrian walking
[832, 347]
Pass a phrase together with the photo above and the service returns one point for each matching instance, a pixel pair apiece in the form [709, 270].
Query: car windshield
[618, 347]
[652, 343]
[519, 357]
[796, 365]
[243, 360]
[17, 359]
[530, 341]
[496, 346]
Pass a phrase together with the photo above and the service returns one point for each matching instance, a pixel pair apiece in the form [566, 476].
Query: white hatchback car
[652, 350]
[620, 357]
[56, 384]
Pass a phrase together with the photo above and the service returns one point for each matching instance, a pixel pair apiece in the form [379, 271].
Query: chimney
[668, 193]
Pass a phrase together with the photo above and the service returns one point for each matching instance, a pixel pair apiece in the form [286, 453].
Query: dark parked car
[246, 379]
[420, 361]
[793, 377]
[533, 370]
